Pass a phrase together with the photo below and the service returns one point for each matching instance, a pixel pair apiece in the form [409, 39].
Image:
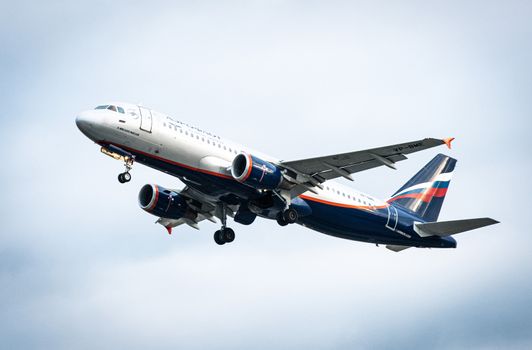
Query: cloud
[82, 266]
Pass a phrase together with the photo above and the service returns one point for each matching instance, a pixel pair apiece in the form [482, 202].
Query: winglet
[169, 229]
[448, 141]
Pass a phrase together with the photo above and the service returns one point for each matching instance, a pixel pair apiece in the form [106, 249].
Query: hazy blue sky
[81, 266]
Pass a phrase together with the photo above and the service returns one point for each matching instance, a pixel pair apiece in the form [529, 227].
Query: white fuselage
[164, 137]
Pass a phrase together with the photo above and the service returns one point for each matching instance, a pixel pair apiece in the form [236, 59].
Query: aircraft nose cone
[86, 122]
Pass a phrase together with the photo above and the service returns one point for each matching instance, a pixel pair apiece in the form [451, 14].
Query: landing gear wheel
[124, 177]
[225, 235]
[290, 215]
[218, 238]
[228, 235]
[281, 221]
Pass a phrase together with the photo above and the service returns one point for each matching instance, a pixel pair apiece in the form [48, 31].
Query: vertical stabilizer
[424, 193]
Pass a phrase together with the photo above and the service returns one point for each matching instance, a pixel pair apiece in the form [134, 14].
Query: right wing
[314, 171]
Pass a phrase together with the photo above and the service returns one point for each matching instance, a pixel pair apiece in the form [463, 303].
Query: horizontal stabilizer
[447, 228]
[397, 248]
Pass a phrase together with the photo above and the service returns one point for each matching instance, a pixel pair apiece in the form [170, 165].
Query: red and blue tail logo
[423, 195]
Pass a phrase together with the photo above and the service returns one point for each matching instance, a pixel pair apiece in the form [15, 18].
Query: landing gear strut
[126, 176]
[225, 234]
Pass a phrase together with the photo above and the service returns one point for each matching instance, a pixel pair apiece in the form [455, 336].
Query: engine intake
[256, 172]
[162, 202]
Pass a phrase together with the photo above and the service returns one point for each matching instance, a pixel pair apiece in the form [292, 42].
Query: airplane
[223, 178]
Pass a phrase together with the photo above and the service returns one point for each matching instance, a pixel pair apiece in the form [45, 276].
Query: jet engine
[162, 202]
[255, 172]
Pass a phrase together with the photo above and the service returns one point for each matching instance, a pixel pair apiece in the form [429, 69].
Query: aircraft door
[393, 217]
[146, 119]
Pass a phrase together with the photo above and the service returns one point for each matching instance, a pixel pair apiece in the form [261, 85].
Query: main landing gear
[288, 216]
[126, 176]
[225, 234]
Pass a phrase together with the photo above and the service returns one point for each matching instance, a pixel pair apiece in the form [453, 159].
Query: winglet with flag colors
[448, 141]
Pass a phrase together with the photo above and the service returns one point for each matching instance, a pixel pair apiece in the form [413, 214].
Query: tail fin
[424, 193]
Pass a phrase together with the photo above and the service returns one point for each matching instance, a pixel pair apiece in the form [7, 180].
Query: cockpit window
[112, 108]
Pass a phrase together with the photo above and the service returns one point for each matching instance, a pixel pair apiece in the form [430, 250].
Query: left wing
[169, 224]
[202, 208]
[313, 171]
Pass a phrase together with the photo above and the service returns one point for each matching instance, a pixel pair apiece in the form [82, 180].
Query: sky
[82, 266]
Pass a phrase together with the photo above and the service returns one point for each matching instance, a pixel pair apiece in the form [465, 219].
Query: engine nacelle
[162, 202]
[255, 172]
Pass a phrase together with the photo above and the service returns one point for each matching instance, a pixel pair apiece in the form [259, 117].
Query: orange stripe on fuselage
[342, 205]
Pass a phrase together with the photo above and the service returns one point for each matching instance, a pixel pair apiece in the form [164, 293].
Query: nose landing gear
[126, 176]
